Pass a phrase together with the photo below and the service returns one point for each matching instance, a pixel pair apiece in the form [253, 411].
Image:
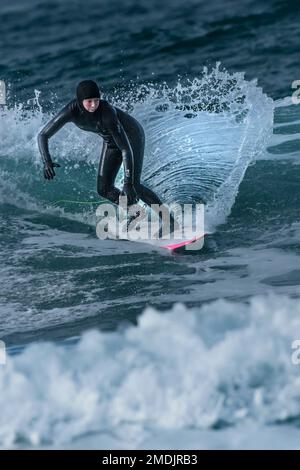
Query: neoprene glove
[129, 191]
[49, 172]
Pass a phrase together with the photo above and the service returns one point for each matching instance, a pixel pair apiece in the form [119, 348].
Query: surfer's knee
[101, 191]
[113, 195]
[101, 187]
[137, 189]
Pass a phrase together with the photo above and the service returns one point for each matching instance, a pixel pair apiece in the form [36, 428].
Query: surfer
[123, 142]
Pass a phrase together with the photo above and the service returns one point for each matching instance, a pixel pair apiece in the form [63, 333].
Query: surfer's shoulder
[68, 109]
[107, 111]
[71, 109]
[105, 106]
[72, 106]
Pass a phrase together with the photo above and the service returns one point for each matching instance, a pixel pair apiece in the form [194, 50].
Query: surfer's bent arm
[121, 140]
[56, 123]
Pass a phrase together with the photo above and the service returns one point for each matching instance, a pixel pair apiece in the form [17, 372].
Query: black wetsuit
[124, 141]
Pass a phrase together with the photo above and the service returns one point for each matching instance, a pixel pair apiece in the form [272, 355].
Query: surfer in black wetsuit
[124, 141]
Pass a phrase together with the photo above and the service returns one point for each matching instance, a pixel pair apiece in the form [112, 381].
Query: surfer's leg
[147, 195]
[109, 165]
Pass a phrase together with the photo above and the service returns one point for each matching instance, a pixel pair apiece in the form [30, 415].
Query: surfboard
[192, 242]
[195, 243]
[182, 244]
[170, 243]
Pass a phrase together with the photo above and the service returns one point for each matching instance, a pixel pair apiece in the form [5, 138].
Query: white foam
[175, 371]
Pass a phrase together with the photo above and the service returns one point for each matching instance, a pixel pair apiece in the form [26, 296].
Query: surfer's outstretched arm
[56, 123]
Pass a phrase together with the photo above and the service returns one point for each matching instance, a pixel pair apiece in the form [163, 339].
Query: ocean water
[115, 344]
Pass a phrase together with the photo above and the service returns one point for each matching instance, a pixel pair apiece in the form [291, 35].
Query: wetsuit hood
[85, 90]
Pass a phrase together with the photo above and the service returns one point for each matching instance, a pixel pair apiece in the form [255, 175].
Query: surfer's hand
[129, 191]
[49, 172]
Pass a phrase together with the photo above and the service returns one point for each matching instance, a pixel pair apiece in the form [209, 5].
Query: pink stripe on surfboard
[180, 244]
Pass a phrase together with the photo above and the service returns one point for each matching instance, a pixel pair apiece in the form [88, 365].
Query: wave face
[198, 149]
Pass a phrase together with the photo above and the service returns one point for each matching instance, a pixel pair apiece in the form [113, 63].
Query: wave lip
[202, 134]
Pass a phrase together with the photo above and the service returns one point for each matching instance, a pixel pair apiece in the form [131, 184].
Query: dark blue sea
[116, 344]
